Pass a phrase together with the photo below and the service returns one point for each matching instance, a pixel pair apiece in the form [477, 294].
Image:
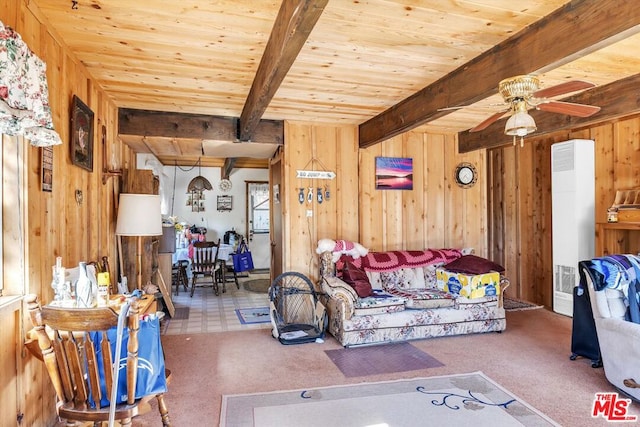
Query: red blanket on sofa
[393, 260]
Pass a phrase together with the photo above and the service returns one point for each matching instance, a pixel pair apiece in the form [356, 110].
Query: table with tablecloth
[185, 254]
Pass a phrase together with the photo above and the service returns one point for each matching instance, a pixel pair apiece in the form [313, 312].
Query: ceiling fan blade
[578, 110]
[562, 88]
[489, 121]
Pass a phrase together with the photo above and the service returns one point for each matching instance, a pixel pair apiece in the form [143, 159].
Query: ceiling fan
[523, 92]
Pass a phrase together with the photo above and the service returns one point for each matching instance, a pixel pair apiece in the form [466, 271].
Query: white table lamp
[139, 215]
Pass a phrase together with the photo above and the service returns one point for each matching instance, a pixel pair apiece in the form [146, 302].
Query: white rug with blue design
[453, 400]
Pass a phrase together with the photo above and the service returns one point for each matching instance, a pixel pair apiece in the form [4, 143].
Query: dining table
[181, 254]
[225, 251]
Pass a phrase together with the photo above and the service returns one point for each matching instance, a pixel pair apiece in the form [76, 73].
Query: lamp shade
[199, 183]
[520, 124]
[139, 215]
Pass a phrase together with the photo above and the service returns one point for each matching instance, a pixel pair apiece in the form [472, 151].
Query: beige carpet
[530, 359]
[452, 400]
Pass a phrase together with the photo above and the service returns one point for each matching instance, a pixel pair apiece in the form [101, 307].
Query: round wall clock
[224, 185]
[466, 175]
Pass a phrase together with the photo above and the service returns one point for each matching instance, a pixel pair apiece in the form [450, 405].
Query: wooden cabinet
[617, 238]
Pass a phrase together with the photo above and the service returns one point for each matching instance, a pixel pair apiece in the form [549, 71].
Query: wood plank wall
[435, 214]
[519, 202]
[506, 215]
[318, 147]
[56, 225]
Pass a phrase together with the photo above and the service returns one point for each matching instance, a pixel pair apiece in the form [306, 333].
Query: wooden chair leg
[164, 412]
[193, 285]
[185, 278]
[176, 279]
[125, 422]
[216, 289]
[235, 278]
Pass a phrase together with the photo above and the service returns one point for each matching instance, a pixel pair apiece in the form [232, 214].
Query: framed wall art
[394, 173]
[47, 169]
[225, 203]
[81, 134]
[195, 199]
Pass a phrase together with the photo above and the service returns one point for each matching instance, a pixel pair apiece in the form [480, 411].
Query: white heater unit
[573, 216]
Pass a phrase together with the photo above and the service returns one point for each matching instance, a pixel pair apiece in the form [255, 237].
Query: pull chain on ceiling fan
[523, 92]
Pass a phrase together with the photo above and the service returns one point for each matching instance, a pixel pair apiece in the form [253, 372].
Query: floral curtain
[24, 95]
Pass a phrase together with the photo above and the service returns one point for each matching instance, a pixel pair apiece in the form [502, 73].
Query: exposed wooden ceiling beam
[229, 164]
[296, 19]
[616, 99]
[197, 126]
[579, 27]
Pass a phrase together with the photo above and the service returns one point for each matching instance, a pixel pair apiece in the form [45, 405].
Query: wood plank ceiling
[385, 65]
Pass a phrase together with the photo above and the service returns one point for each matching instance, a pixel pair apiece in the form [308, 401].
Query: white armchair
[619, 338]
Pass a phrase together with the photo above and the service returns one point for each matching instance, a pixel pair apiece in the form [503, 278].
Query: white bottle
[86, 295]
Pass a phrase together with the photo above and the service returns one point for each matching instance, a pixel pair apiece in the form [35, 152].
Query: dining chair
[67, 342]
[204, 264]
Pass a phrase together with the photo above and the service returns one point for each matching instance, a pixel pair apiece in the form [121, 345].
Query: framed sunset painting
[394, 173]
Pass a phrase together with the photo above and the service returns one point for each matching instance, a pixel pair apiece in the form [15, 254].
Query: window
[12, 218]
[258, 207]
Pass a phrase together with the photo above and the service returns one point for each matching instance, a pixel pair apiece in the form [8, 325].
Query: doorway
[258, 223]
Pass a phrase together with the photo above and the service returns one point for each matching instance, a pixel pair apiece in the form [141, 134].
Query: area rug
[181, 313]
[453, 400]
[512, 304]
[260, 286]
[381, 359]
[253, 315]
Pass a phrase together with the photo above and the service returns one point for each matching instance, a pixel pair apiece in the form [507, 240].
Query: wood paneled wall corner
[318, 147]
[520, 213]
[54, 224]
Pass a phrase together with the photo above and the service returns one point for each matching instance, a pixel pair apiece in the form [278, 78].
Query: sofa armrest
[327, 267]
[340, 293]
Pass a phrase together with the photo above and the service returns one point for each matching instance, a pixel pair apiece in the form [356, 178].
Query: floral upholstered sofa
[396, 296]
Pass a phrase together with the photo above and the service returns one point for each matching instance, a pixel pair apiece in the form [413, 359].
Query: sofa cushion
[472, 264]
[404, 278]
[429, 273]
[378, 303]
[424, 298]
[357, 278]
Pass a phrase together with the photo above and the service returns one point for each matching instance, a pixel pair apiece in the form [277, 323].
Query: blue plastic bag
[151, 377]
[242, 259]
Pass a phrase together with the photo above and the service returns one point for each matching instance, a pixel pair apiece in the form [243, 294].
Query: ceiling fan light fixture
[520, 124]
[518, 87]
